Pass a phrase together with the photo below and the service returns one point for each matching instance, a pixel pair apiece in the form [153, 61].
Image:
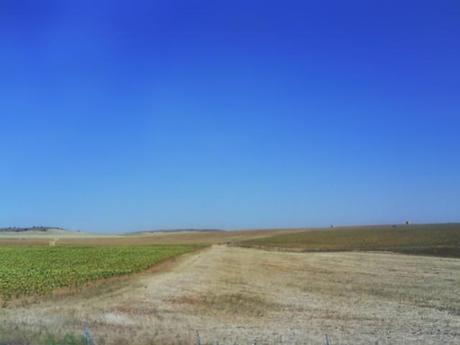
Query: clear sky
[128, 115]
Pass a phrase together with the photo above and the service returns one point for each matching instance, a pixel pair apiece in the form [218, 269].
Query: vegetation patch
[230, 304]
[38, 270]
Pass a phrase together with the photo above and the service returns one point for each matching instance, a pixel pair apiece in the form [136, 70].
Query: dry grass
[186, 237]
[236, 295]
[436, 240]
[247, 304]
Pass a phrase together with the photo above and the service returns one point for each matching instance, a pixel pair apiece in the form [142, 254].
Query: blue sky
[127, 115]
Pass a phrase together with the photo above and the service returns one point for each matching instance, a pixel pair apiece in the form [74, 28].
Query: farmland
[434, 240]
[38, 270]
[143, 238]
[234, 295]
[279, 286]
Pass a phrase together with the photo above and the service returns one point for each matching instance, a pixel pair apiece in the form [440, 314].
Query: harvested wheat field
[236, 295]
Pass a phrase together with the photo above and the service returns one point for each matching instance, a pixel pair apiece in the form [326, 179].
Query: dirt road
[235, 295]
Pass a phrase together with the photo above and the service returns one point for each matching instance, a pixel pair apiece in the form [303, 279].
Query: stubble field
[232, 295]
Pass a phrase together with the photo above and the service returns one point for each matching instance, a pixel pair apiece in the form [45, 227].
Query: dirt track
[245, 295]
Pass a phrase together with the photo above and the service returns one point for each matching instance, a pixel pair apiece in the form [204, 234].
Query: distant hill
[173, 231]
[33, 228]
[39, 231]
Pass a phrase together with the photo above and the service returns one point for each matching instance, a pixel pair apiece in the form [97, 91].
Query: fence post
[87, 335]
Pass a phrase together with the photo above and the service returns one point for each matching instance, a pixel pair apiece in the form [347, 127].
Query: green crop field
[38, 270]
[430, 239]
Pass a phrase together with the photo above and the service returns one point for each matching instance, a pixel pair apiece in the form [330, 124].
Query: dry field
[237, 295]
[421, 239]
[185, 237]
